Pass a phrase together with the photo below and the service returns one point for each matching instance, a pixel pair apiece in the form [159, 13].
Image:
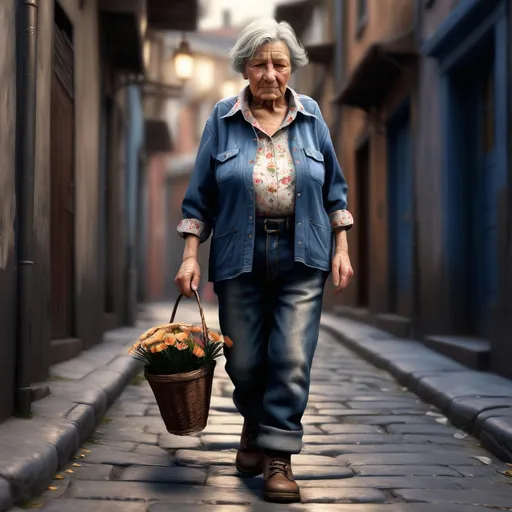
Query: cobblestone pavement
[370, 446]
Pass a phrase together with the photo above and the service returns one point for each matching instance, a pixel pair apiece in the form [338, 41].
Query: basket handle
[201, 312]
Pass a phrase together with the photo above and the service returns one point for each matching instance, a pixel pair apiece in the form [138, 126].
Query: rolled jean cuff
[274, 439]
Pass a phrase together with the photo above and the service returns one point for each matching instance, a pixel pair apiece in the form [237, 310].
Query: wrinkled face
[268, 71]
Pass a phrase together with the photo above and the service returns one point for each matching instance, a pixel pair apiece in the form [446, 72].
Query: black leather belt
[274, 225]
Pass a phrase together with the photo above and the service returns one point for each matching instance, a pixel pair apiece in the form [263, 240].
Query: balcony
[377, 55]
[180, 15]
[123, 23]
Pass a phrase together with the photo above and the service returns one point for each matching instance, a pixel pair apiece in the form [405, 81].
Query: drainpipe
[338, 62]
[416, 321]
[25, 149]
[338, 52]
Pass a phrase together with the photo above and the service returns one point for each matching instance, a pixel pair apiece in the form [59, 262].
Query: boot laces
[278, 466]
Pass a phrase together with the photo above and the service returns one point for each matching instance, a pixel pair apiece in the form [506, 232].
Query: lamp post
[183, 64]
[183, 61]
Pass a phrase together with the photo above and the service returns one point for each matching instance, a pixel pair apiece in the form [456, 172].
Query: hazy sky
[240, 9]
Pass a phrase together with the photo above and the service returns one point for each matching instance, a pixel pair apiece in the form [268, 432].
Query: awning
[121, 25]
[377, 71]
[180, 15]
[297, 14]
[157, 137]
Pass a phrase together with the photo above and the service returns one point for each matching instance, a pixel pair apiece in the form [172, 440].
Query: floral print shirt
[274, 171]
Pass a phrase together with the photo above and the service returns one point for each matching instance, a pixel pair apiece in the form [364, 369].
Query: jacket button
[250, 236]
[250, 217]
[300, 242]
[299, 223]
[299, 194]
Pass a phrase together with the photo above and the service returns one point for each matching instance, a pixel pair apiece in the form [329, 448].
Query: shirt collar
[242, 105]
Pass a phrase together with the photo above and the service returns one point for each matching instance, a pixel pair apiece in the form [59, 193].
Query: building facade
[377, 102]
[212, 80]
[463, 170]
[422, 93]
[70, 148]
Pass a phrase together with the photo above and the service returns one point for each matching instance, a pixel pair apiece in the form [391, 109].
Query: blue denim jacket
[221, 194]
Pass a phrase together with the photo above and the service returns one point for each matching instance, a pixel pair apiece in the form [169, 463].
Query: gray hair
[260, 32]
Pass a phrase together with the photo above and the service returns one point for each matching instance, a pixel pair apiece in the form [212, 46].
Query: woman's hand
[188, 277]
[341, 270]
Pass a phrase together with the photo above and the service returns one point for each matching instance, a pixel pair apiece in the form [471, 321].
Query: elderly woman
[268, 183]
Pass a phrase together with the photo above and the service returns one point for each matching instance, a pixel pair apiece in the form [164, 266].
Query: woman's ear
[244, 74]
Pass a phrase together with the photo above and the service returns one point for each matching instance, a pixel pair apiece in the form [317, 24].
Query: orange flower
[158, 347]
[150, 332]
[159, 335]
[155, 338]
[228, 341]
[181, 346]
[214, 336]
[170, 339]
[198, 351]
[195, 328]
[181, 336]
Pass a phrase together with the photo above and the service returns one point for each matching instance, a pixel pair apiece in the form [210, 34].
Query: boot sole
[281, 497]
[248, 474]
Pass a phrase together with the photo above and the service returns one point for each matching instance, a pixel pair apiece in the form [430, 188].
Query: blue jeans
[273, 316]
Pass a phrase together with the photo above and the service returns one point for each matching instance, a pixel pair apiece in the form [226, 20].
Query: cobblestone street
[370, 446]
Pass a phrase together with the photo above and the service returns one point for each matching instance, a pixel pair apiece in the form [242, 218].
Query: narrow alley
[370, 444]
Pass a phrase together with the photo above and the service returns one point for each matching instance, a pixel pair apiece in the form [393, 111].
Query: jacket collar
[242, 105]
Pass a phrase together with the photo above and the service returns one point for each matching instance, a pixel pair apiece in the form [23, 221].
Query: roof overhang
[321, 53]
[380, 67]
[297, 14]
[178, 15]
[123, 26]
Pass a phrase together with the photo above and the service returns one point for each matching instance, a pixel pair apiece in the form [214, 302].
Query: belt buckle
[270, 231]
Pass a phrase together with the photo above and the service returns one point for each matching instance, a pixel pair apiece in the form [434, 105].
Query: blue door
[400, 220]
[485, 205]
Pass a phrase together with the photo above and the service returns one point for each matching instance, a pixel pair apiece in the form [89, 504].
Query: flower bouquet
[179, 362]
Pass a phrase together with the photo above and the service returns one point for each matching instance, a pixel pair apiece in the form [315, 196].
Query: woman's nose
[270, 74]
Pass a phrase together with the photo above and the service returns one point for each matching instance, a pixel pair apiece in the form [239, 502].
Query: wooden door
[363, 225]
[400, 226]
[62, 187]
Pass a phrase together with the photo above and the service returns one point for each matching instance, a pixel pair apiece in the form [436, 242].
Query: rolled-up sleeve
[200, 200]
[335, 185]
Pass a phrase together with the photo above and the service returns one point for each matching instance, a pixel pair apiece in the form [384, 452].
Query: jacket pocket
[320, 241]
[225, 168]
[316, 166]
[223, 249]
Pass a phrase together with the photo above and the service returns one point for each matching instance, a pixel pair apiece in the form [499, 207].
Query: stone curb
[478, 402]
[82, 389]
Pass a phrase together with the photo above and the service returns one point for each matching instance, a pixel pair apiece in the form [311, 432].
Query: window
[362, 16]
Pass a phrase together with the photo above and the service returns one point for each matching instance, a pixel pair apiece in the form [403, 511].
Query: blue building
[462, 181]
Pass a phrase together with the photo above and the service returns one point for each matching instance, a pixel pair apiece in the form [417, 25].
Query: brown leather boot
[249, 459]
[280, 485]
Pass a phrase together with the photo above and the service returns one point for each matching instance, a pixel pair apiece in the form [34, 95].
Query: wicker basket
[184, 398]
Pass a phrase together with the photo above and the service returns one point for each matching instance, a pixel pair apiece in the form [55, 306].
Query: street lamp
[183, 61]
